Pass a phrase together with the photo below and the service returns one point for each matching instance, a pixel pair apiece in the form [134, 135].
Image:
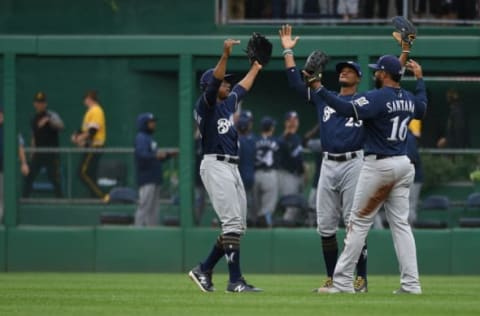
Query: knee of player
[231, 241]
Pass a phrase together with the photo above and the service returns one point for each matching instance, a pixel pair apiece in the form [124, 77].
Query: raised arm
[247, 81]
[420, 91]
[293, 75]
[211, 90]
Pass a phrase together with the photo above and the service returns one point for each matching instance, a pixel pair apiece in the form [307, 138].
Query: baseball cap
[267, 123]
[350, 64]
[388, 63]
[207, 76]
[40, 97]
[243, 123]
[290, 114]
[247, 114]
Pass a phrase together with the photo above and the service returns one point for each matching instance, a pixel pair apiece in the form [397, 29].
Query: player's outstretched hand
[415, 68]
[286, 37]
[228, 44]
[257, 65]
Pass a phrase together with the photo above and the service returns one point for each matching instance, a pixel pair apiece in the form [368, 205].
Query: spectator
[295, 8]
[92, 134]
[313, 142]
[457, 132]
[413, 134]
[467, 9]
[291, 167]
[236, 9]
[327, 8]
[46, 126]
[24, 169]
[148, 164]
[382, 9]
[266, 182]
[348, 9]
[444, 9]
[246, 153]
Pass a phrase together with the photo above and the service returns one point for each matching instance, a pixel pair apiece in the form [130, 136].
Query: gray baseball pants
[148, 205]
[381, 181]
[265, 191]
[225, 188]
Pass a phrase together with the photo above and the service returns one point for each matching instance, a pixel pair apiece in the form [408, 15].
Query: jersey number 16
[399, 131]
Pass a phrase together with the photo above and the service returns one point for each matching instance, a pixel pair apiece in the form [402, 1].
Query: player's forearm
[247, 81]
[289, 59]
[295, 81]
[342, 107]
[420, 99]
[221, 67]
[403, 58]
[21, 155]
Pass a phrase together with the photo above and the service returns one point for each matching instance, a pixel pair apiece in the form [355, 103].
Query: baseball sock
[231, 244]
[362, 263]
[215, 255]
[330, 253]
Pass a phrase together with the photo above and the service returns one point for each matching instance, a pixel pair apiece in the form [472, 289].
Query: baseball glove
[259, 49]
[405, 32]
[314, 66]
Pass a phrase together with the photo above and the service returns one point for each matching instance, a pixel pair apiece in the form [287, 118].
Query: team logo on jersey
[361, 101]
[327, 112]
[223, 125]
[154, 146]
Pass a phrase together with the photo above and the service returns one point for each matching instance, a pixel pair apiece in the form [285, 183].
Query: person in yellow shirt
[92, 134]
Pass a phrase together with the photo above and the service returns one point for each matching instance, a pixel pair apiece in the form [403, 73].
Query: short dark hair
[92, 94]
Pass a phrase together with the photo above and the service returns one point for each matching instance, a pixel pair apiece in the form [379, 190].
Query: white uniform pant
[225, 188]
[387, 180]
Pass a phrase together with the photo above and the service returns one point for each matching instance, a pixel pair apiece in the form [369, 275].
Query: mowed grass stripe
[174, 294]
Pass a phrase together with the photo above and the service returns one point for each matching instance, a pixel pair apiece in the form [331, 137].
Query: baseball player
[246, 155]
[213, 113]
[414, 133]
[387, 173]
[342, 140]
[265, 189]
[290, 164]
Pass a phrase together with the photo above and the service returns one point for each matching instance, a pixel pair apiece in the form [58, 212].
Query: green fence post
[186, 140]
[10, 142]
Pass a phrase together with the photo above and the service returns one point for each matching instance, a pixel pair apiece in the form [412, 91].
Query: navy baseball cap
[247, 114]
[267, 123]
[350, 64]
[40, 97]
[388, 63]
[243, 123]
[290, 115]
[207, 76]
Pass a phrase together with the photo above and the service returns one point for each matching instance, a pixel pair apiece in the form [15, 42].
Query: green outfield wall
[128, 249]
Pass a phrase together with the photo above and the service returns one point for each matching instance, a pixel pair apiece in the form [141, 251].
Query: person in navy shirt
[387, 173]
[246, 154]
[214, 112]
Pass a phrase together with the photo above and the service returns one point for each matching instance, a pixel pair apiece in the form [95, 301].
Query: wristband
[287, 51]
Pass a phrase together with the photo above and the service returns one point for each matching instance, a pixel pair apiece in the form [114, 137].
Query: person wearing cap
[266, 180]
[214, 114]
[387, 172]
[246, 155]
[342, 139]
[148, 165]
[46, 126]
[92, 134]
[291, 168]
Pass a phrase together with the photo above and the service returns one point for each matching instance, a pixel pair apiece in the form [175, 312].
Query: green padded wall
[121, 249]
[465, 251]
[50, 249]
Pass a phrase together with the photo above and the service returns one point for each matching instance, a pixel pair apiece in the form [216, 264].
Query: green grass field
[174, 294]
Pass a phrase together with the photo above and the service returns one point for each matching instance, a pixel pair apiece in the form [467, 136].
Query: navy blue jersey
[290, 153]
[246, 154]
[386, 113]
[215, 119]
[266, 153]
[339, 134]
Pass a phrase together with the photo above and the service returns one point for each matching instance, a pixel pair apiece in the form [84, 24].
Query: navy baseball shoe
[202, 279]
[241, 286]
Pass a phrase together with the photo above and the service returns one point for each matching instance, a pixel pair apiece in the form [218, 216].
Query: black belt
[340, 158]
[380, 157]
[228, 159]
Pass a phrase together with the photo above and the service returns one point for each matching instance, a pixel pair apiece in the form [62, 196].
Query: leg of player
[396, 208]
[328, 217]
[374, 185]
[350, 172]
